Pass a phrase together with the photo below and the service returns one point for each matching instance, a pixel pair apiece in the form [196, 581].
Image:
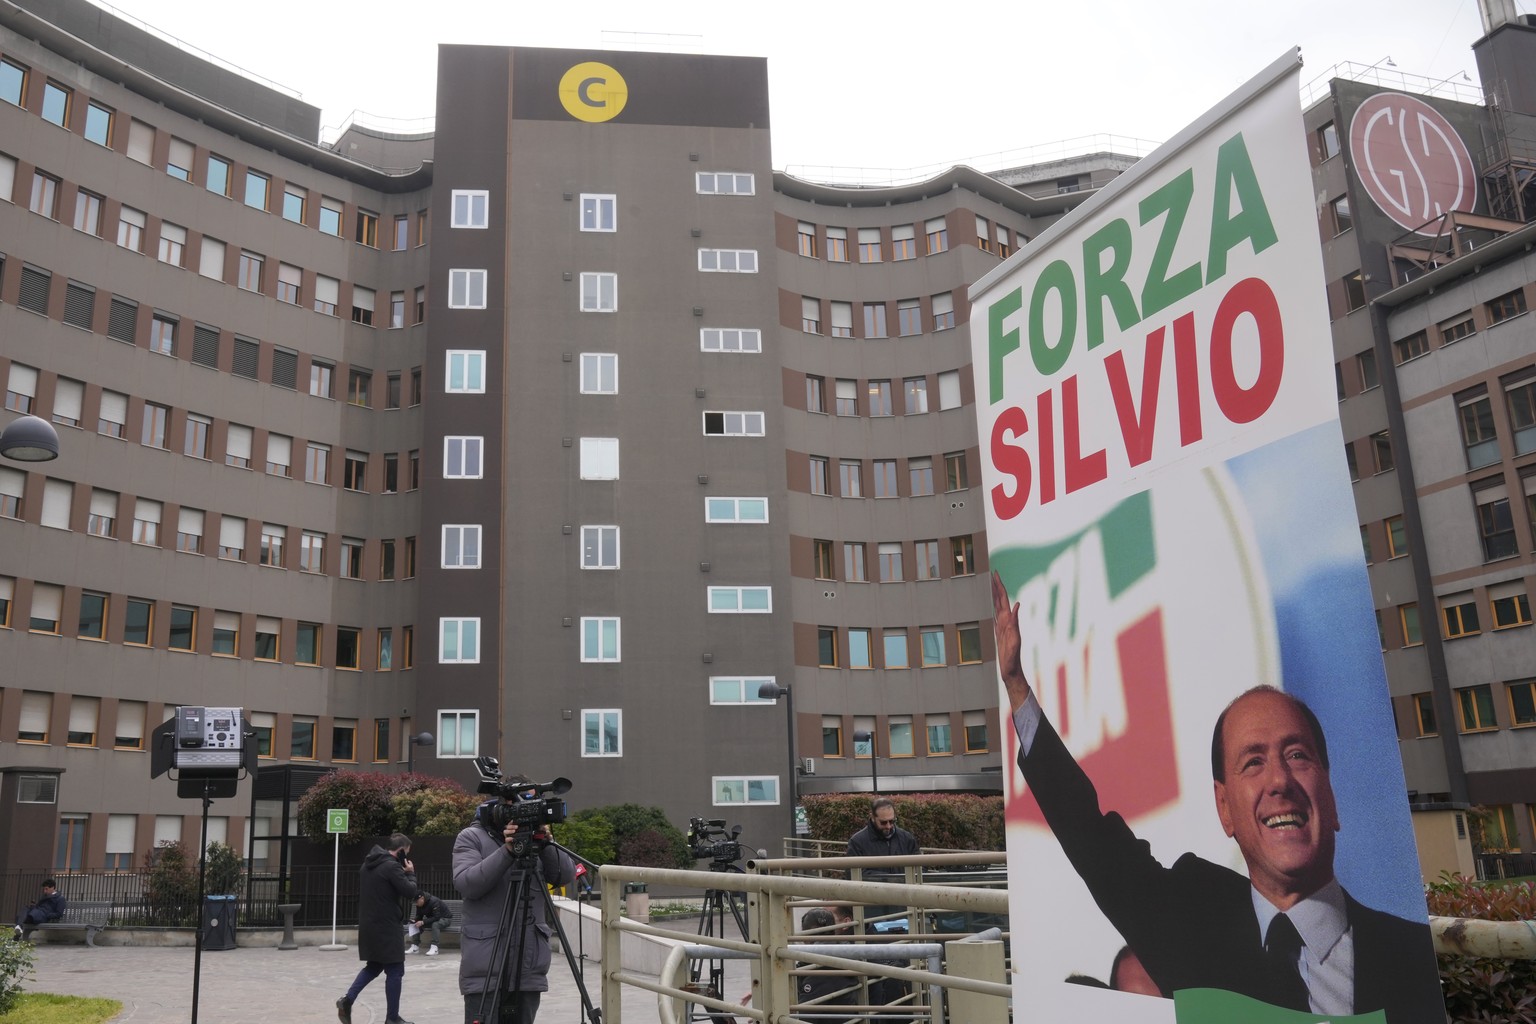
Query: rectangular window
[400, 239]
[1457, 327]
[1474, 705]
[462, 458]
[458, 641]
[733, 424]
[279, 455]
[931, 641]
[903, 242]
[735, 510]
[274, 538]
[317, 463]
[470, 208]
[458, 734]
[311, 552]
[1520, 399]
[1496, 524]
[210, 259]
[738, 689]
[45, 195]
[842, 319]
[847, 397]
[360, 388]
[138, 622]
[1411, 347]
[232, 538]
[820, 475]
[599, 547]
[461, 546]
[598, 212]
[162, 334]
[267, 647]
[12, 490]
[146, 522]
[93, 616]
[599, 458]
[915, 395]
[890, 562]
[600, 638]
[13, 83]
[1510, 603]
[949, 390]
[850, 476]
[290, 280]
[926, 555]
[362, 305]
[251, 267]
[831, 736]
[1506, 306]
[722, 183]
[218, 174]
[909, 317]
[751, 789]
[302, 740]
[730, 339]
[1522, 702]
[1381, 452]
[894, 648]
[599, 293]
[367, 228]
[860, 654]
[900, 742]
[88, 212]
[885, 478]
[822, 553]
[173, 243]
[56, 103]
[837, 245]
[256, 188]
[728, 261]
[920, 476]
[962, 556]
[874, 320]
[226, 634]
[740, 600]
[805, 239]
[1459, 613]
[466, 289]
[826, 646]
[599, 373]
[354, 474]
[869, 245]
[21, 388]
[937, 234]
[155, 419]
[1475, 415]
[84, 716]
[102, 521]
[943, 311]
[855, 569]
[879, 398]
[601, 734]
[815, 394]
[968, 640]
[189, 530]
[1408, 615]
[183, 634]
[465, 372]
[956, 477]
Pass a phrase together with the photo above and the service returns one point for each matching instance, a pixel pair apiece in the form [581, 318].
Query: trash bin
[218, 922]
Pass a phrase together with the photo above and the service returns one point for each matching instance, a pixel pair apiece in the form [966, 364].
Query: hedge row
[948, 821]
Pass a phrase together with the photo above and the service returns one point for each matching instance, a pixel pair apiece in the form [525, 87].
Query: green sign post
[337, 821]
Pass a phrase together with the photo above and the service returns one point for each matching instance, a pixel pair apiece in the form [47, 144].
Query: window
[1353, 292]
[458, 641]
[815, 394]
[740, 600]
[173, 242]
[461, 546]
[88, 212]
[915, 392]
[462, 458]
[894, 648]
[226, 634]
[855, 569]
[599, 547]
[1475, 415]
[751, 789]
[162, 334]
[294, 201]
[387, 559]
[1520, 398]
[68, 401]
[290, 280]
[909, 317]
[975, 732]
[842, 319]
[129, 733]
[826, 646]
[183, 634]
[874, 320]
[1408, 615]
[396, 319]
[7, 595]
[400, 240]
[1424, 714]
[903, 242]
[457, 734]
[58, 502]
[738, 689]
[1459, 612]
[1397, 537]
[599, 458]
[256, 187]
[330, 215]
[1510, 603]
[210, 259]
[943, 311]
[232, 538]
[1369, 378]
[189, 530]
[102, 521]
[820, 475]
[720, 183]
[354, 474]
[955, 475]
[352, 557]
[885, 478]
[344, 741]
[155, 417]
[386, 655]
[962, 552]
[869, 245]
[730, 339]
[926, 555]
[1457, 327]
[279, 454]
[931, 643]
[1506, 306]
[413, 461]
[937, 233]
[470, 208]
[1522, 702]
[362, 305]
[859, 652]
[13, 83]
[983, 234]
[93, 616]
[850, 475]
[466, 289]
[311, 552]
[1342, 221]
[56, 103]
[367, 229]
[821, 551]
[1474, 706]
[599, 638]
[728, 261]
[301, 741]
[837, 245]
[949, 390]
[360, 388]
[45, 195]
[12, 490]
[138, 622]
[21, 388]
[79, 305]
[419, 311]
[733, 424]
[879, 392]
[1381, 451]
[267, 647]
[920, 476]
[599, 293]
[1496, 524]
[805, 237]
[146, 522]
[1411, 347]
[1327, 138]
[465, 372]
[599, 373]
[900, 736]
[968, 640]
[847, 397]
[735, 510]
[890, 562]
[251, 266]
[273, 539]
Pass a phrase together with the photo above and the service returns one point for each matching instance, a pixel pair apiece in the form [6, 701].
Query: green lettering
[1048, 357]
[1100, 282]
[1172, 200]
[999, 341]
[1234, 170]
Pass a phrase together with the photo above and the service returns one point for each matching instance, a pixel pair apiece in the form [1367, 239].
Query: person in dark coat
[428, 913]
[388, 878]
[882, 837]
[48, 907]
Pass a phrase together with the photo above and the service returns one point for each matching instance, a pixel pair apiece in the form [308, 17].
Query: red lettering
[1045, 419]
[1186, 372]
[1080, 470]
[1137, 429]
[1010, 460]
[1253, 297]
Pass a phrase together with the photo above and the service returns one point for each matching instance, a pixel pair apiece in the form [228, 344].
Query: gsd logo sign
[1411, 161]
[593, 92]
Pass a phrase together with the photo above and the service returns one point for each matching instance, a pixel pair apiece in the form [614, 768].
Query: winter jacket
[483, 872]
[384, 884]
[431, 909]
[51, 905]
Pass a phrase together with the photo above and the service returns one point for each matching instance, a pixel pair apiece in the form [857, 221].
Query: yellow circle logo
[593, 92]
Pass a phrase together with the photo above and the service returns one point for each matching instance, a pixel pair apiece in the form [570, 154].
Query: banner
[1171, 525]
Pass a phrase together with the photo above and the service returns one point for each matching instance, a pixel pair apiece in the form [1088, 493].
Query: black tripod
[717, 904]
[513, 932]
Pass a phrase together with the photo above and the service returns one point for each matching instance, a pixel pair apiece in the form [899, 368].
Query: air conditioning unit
[808, 765]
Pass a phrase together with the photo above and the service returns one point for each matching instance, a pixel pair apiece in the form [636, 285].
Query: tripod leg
[512, 914]
[552, 915]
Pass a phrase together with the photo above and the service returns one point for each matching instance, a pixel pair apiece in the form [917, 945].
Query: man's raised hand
[1005, 627]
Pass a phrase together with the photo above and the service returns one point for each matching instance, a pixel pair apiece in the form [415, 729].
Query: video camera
[708, 839]
[532, 806]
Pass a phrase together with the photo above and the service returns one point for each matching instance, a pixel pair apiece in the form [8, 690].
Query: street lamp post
[424, 739]
[773, 691]
[29, 439]
[865, 736]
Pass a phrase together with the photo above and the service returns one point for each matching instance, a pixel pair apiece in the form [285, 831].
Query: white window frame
[597, 716]
[460, 717]
[457, 626]
[471, 368]
[462, 285]
[460, 533]
[748, 340]
[596, 452]
[592, 374]
[708, 183]
[600, 303]
[746, 790]
[714, 607]
[735, 516]
[728, 261]
[744, 427]
[746, 690]
[596, 532]
[456, 465]
[595, 624]
[470, 219]
[605, 207]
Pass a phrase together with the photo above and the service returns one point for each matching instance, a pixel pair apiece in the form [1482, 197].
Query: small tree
[16, 960]
[170, 890]
[225, 870]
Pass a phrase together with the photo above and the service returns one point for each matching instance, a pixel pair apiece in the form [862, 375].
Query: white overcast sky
[895, 86]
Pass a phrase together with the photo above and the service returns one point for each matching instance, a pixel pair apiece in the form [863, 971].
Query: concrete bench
[90, 915]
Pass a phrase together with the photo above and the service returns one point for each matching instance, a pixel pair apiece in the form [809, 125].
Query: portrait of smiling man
[1287, 934]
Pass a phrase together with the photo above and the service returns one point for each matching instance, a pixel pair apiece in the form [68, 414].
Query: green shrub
[170, 890]
[951, 821]
[665, 847]
[415, 804]
[226, 870]
[16, 960]
[590, 837]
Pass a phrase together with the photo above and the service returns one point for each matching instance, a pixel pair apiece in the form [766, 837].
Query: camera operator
[485, 869]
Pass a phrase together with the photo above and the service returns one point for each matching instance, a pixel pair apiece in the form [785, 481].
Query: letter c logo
[593, 92]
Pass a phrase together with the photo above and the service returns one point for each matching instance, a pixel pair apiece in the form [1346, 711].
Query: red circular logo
[1410, 161]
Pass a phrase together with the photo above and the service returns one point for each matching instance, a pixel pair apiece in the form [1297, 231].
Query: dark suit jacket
[1193, 925]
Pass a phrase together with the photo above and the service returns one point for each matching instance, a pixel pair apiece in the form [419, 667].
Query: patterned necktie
[1282, 948]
